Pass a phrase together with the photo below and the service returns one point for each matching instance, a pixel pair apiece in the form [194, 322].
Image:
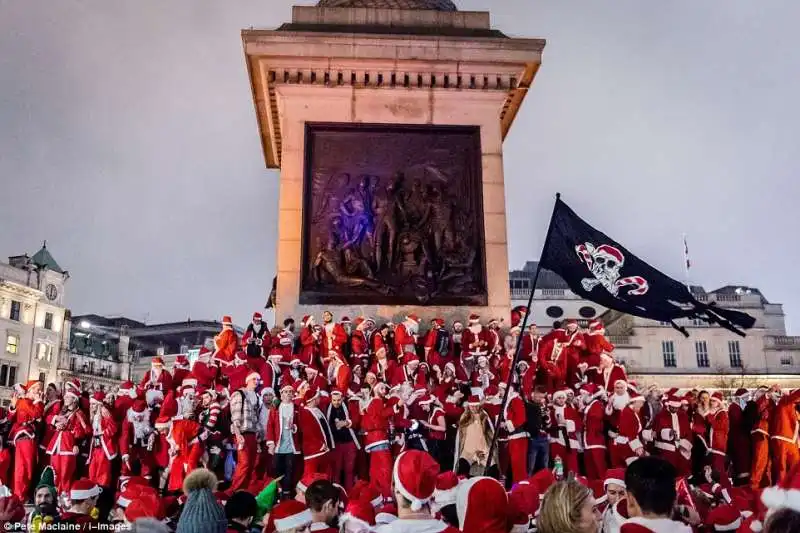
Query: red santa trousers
[718, 463]
[317, 465]
[144, 458]
[264, 464]
[24, 465]
[246, 457]
[343, 464]
[784, 457]
[182, 465]
[674, 457]
[64, 467]
[620, 453]
[759, 474]
[380, 471]
[5, 465]
[594, 460]
[502, 457]
[568, 457]
[100, 467]
[518, 456]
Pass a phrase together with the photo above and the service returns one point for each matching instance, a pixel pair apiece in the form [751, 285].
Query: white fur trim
[462, 497]
[615, 481]
[123, 502]
[84, 494]
[384, 518]
[756, 526]
[416, 503]
[294, 521]
[776, 498]
[733, 526]
[377, 501]
[445, 497]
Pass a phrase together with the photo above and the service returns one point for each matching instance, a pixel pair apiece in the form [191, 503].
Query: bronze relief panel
[393, 215]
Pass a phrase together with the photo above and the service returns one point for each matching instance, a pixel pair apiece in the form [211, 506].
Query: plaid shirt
[245, 413]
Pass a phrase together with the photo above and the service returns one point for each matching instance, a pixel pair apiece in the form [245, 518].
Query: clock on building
[51, 292]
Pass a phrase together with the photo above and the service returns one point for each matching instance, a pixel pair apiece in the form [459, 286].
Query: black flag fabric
[601, 270]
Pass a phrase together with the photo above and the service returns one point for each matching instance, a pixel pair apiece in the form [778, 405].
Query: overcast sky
[128, 140]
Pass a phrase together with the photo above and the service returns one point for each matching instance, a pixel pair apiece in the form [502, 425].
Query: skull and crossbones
[605, 262]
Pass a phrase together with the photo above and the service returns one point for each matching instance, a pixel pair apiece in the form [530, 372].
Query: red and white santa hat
[83, 489]
[561, 393]
[308, 320]
[157, 361]
[365, 492]
[615, 476]
[635, 397]
[345, 320]
[786, 494]
[359, 512]
[473, 400]
[308, 479]
[438, 321]
[163, 422]
[181, 361]
[717, 396]
[596, 325]
[252, 376]
[474, 318]
[445, 493]
[289, 515]
[410, 357]
[97, 397]
[673, 401]
[256, 316]
[724, 518]
[414, 474]
[592, 390]
[481, 505]
[127, 389]
[227, 320]
[523, 501]
[741, 393]
[571, 322]
[138, 406]
[412, 318]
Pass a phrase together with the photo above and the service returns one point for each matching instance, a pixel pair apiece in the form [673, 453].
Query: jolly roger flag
[603, 271]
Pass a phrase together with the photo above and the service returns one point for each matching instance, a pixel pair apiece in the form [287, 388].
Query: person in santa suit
[609, 373]
[25, 413]
[205, 370]
[180, 370]
[310, 341]
[446, 382]
[283, 342]
[483, 376]
[673, 435]
[783, 430]
[71, 428]
[283, 439]
[334, 335]
[405, 336]
[552, 363]
[435, 424]
[474, 343]
[83, 501]
[256, 339]
[382, 369]
[317, 439]
[246, 406]
[236, 371]
[510, 342]
[565, 422]
[272, 371]
[375, 425]
[717, 418]
[495, 346]
[594, 437]
[739, 443]
[126, 394]
[414, 483]
[339, 374]
[629, 445]
[530, 345]
[513, 433]
[157, 378]
[359, 345]
[574, 347]
[226, 343]
[186, 450]
[315, 379]
[103, 443]
[209, 418]
[437, 345]
[760, 412]
[343, 419]
[136, 440]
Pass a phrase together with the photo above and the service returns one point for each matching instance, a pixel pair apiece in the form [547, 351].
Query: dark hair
[288, 321]
[651, 482]
[320, 492]
[541, 389]
[449, 515]
[241, 505]
[556, 324]
[783, 521]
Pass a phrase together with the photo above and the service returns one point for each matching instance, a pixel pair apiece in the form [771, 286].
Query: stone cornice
[28, 294]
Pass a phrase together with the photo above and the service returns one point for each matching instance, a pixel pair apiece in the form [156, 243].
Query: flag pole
[686, 263]
[517, 349]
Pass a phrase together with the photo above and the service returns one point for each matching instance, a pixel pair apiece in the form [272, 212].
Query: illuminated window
[12, 344]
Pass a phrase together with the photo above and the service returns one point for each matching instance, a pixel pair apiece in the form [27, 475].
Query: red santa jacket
[315, 439]
[283, 345]
[630, 429]
[310, 342]
[515, 418]
[607, 377]
[474, 342]
[75, 430]
[718, 435]
[672, 431]
[764, 407]
[24, 418]
[495, 346]
[404, 340]
[565, 419]
[339, 375]
[783, 422]
[162, 382]
[334, 337]
[256, 342]
[49, 431]
[104, 433]
[358, 344]
[375, 423]
[276, 426]
[594, 436]
[597, 343]
[551, 345]
[530, 347]
[205, 372]
[226, 344]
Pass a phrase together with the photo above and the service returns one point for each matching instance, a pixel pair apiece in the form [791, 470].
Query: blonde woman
[568, 507]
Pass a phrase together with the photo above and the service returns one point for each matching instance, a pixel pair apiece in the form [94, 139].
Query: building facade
[656, 353]
[32, 319]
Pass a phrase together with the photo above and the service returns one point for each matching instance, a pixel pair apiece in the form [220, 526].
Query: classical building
[32, 318]
[656, 353]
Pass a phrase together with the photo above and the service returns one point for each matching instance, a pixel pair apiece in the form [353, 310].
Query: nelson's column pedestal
[386, 119]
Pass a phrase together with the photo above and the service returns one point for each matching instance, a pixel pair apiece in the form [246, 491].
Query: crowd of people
[368, 426]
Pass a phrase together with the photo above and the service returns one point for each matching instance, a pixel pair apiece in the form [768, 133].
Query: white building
[656, 353]
[32, 317]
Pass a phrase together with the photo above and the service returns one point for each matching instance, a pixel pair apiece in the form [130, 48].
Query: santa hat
[360, 512]
[267, 390]
[307, 480]
[287, 387]
[474, 318]
[410, 357]
[561, 393]
[157, 361]
[595, 325]
[522, 503]
[256, 316]
[227, 321]
[308, 320]
[211, 392]
[473, 400]
[345, 320]
[724, 518]
[635, 397]
[741, 393]
[412, 318]
[289, 515]
[187, 390]
[162, 422]
[615, 476]
[494, 321]
[72, 386]
[83, 489]
[445, 493]
[146, 505]
[365, 492]
[786, 494]
[717, 396]
[451, 366]
[139, 406]
[127, 389]
[571, 322]
[414, 475]
[481, 505]
[189, 382]
[97, 397]
[673, 401]
[181, 361]
[252, 375]
[438, 321]
[337, 393]
[592, 390]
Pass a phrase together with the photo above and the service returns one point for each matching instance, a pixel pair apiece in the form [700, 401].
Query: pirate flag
[601, 270]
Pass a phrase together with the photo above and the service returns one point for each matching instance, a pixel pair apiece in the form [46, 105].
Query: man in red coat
[226, 343]
[628, 445]
[283, 439]
[739, 442]
[474, 343]
[375, 425]
[71, 428]
[609, 373]
[103, 443]
[256, 340]
[573, 348]
[764, 403]
[551, 359]
[339, 374]
[718, 436]
[437, 345]
[180, 371]
[205, 370]
[530, 344]
[359, 345]
[514, 433]
[405, 336]
[673, 435]
[25, 414]
[137, 440]
[565, 422]
[783, 430]
[310, 341]
[594, 437]
[317, 439]
[157, 378]
[334, 335]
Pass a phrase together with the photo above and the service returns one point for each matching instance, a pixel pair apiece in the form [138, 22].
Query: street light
[85, 324]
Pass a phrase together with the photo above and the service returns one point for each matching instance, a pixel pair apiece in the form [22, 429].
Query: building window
[73, 363]
[91, 367]
[587, 312]
[701, 349]
[735, 354]
[12, 344]
[787, 361]
[8, 375]
[41, 351]
[697, 322]
[668, 351]
[48, 321]
[15, 310]
[554, 311]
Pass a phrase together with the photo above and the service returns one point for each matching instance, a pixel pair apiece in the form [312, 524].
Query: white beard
[186, 407]
[97, 429]
[141, 424]
[619, 402]
[476, 328]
